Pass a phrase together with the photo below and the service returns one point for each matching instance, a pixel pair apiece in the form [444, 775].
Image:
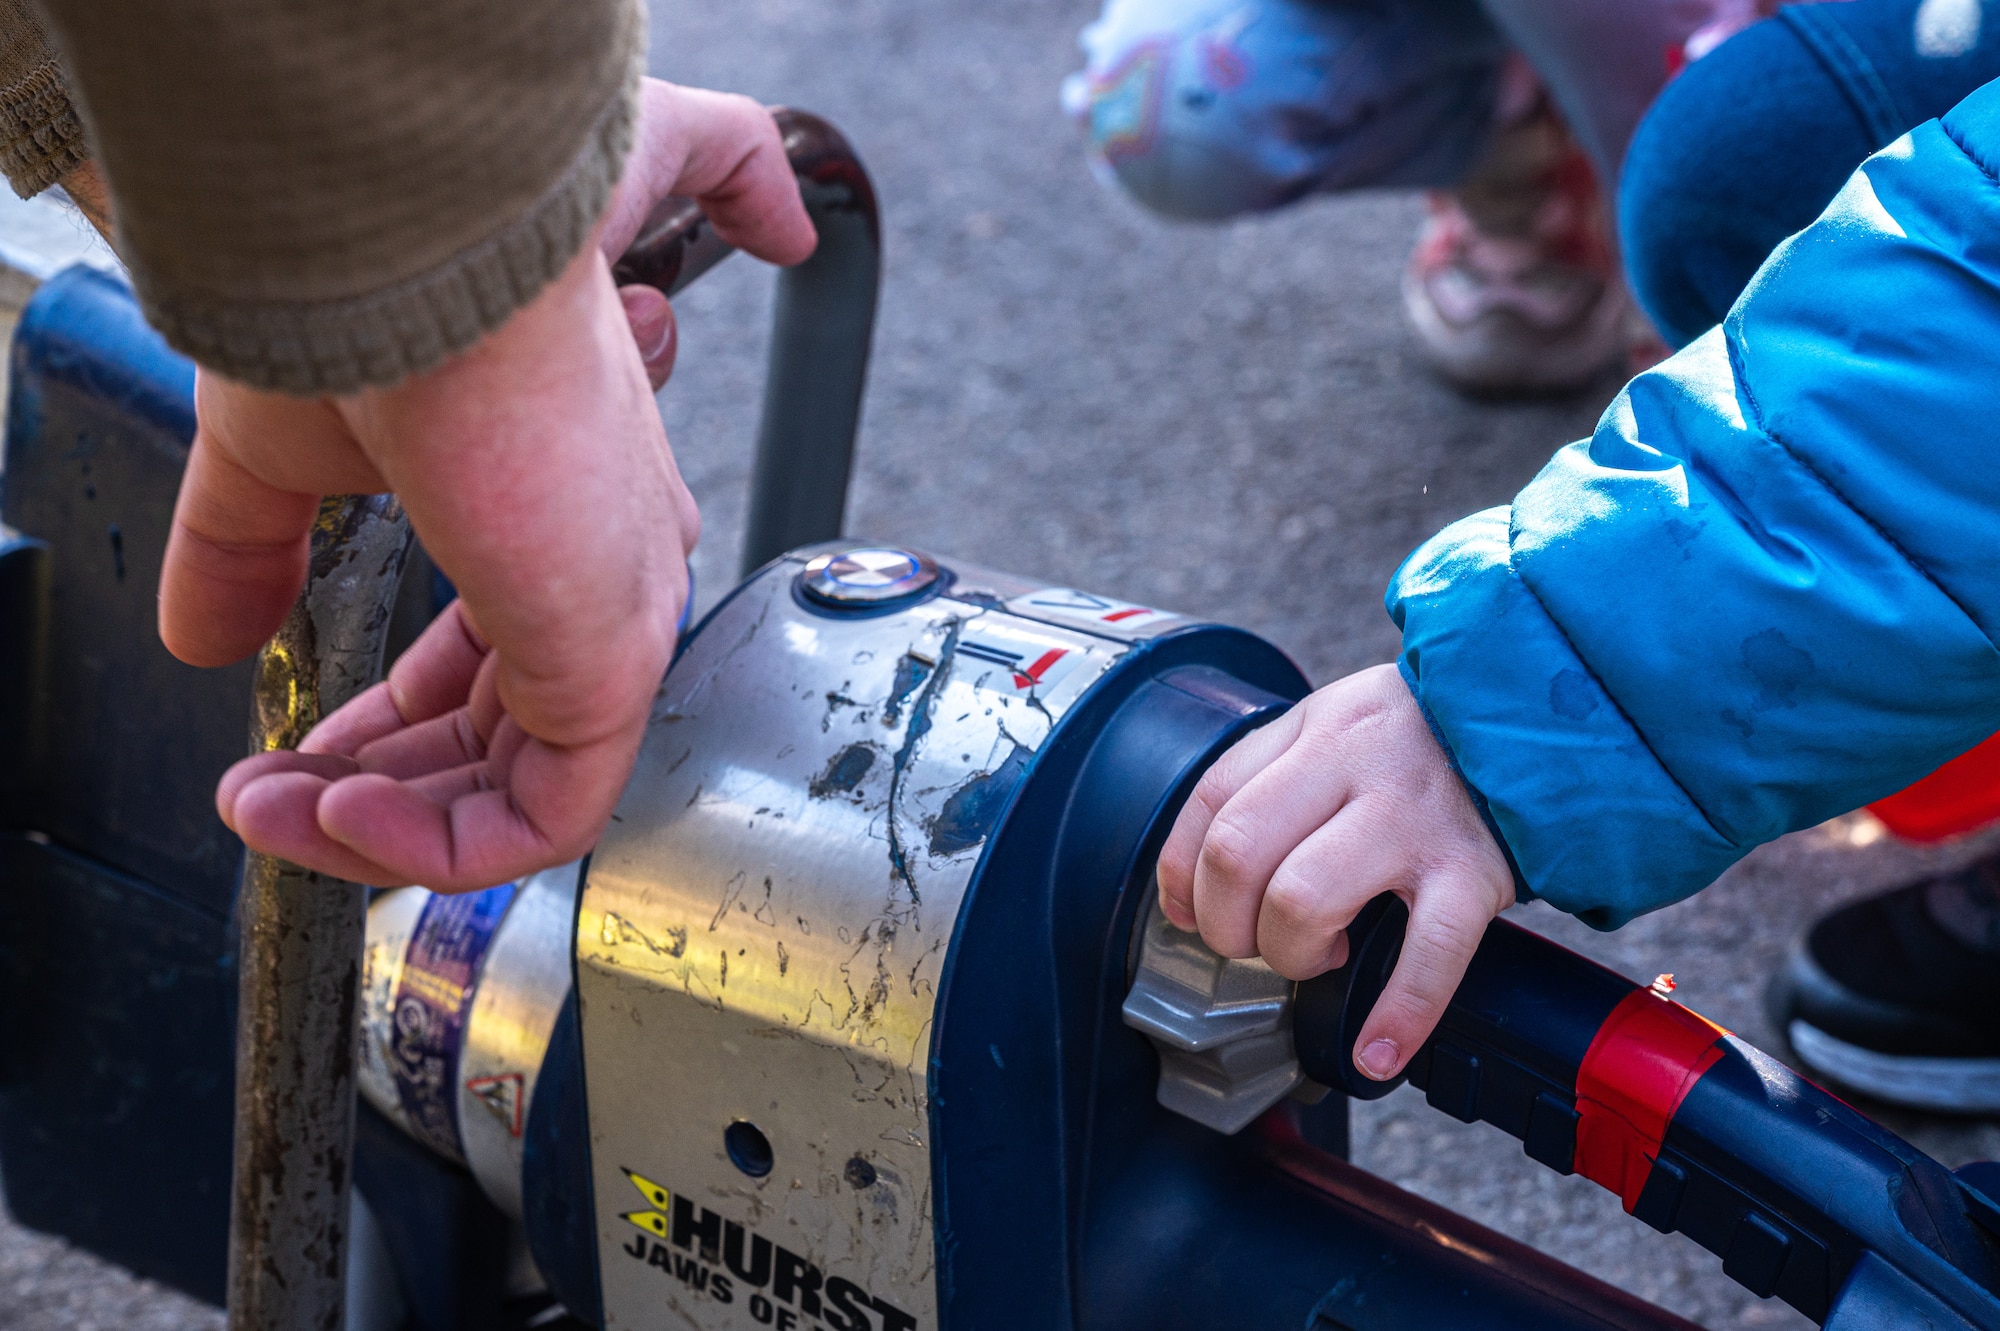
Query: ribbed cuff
[41, 137]
[313, 348]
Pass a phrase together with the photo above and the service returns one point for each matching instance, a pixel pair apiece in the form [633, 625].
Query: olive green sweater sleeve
[40, 135]
[318, 197]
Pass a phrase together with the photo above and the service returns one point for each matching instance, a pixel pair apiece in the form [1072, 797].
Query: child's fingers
[1448, 917]
[1274, 813]
[1229, 773]
[1322, 885]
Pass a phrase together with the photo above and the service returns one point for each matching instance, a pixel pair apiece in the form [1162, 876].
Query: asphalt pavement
[1227, 421]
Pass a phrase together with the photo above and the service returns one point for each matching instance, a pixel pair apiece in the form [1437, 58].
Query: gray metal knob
[1223, 1028]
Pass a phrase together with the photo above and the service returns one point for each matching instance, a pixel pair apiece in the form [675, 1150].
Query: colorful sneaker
[1513, 286]
[1898, 996]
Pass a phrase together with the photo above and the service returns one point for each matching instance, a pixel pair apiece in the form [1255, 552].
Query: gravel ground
[1229, 421]
[49, 1286]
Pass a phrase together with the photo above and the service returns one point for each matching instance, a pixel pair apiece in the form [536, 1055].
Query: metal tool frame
[331, 648]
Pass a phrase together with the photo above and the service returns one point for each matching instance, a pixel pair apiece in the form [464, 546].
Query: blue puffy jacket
[1766, 590]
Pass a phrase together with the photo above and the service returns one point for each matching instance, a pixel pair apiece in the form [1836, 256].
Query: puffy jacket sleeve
[1766, 590]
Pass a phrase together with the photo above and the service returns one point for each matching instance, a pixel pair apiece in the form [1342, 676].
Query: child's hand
[1295, 829]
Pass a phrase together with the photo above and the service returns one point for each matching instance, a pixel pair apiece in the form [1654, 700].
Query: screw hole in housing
[749, 1149]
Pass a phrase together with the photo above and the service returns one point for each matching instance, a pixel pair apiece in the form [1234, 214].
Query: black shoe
[1898, 996]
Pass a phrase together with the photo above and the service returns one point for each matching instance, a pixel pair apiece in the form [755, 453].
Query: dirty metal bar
[824, 319]
[302, 934]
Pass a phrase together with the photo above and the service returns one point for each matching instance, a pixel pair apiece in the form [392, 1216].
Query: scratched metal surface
[507, 1030]
[522, 982]
[763, 930]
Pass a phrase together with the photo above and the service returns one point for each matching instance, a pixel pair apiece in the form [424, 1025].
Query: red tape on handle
[1647, 1056]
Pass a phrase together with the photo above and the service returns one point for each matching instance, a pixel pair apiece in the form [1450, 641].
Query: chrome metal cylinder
[461, 994]
[300, 958]
[762, 937]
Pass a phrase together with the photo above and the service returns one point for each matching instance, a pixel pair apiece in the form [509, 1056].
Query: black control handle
[1800, 1195]
[822, 326]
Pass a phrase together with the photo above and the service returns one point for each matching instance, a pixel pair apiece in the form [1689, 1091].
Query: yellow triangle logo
[651, 1221]
[659, 1197]
[654, 1222]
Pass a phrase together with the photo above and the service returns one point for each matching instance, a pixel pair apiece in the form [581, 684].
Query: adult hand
[535, 469]
[1306, 820]
[723, 150]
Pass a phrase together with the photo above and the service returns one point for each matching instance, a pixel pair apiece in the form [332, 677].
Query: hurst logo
[732, 1264]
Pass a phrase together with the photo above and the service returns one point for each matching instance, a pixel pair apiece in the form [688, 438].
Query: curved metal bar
[302, 934]
[820, 335]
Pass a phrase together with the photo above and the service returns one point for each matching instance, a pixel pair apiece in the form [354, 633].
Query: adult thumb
[235, 560]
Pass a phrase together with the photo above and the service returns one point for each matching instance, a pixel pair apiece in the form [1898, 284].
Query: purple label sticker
[433, 999]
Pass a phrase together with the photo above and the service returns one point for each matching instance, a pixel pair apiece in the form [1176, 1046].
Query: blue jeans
[1752, 142]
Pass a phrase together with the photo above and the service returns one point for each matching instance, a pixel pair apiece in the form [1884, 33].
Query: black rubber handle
[822, 326]
[1801, 1196]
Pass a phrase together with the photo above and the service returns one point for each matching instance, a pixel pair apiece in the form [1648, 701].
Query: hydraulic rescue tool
[861, 1015]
